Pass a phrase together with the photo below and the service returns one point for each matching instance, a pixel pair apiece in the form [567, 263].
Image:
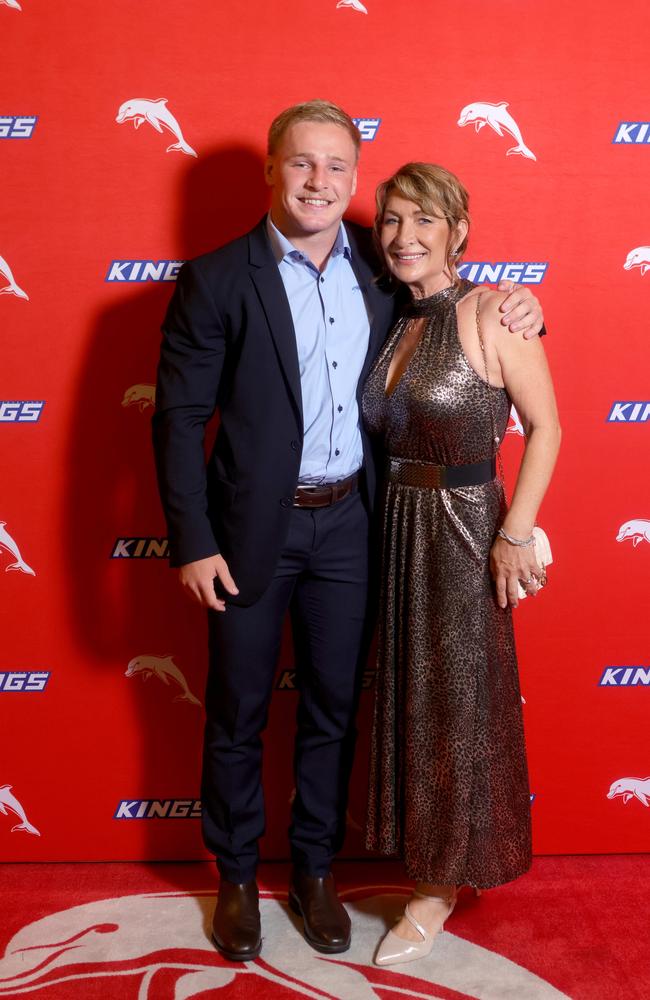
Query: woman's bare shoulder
[490, 302]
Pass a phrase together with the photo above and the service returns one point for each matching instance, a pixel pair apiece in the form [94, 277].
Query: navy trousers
[322, 578]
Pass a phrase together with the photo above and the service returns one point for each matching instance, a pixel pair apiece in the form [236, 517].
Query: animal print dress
[448, 778]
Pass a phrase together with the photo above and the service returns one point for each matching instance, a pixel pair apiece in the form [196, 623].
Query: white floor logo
[639, 257]
[158, 115]
[631, 788]
[135, 939]
[140, 395]
[11, 3]
[10, 804]
[164, 668]
[354, 4]
[11, 288]
[500, 120]
[9, 545]
[637, 530]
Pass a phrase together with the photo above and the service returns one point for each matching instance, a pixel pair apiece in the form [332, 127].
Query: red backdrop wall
[87, 753]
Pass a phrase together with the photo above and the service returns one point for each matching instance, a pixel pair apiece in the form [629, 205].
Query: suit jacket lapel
[266, 278]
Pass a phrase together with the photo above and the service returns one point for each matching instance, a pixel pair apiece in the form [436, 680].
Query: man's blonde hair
[438, 192]
[311, 111]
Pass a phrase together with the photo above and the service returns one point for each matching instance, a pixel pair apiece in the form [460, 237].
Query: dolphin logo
[515, 426]
[9, 803]
[140, 395]
[637, 788]
[638, 529]
[140, 935]
[355, 4]
[12, 3]
[495, 115]
[12, 288]
[158, 115]
[639, 257]
[7, 543]
[164, 668]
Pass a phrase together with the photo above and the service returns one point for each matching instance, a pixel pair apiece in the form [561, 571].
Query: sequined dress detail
[448, 777]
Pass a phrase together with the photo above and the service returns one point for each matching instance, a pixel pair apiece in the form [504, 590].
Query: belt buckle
[315, 491]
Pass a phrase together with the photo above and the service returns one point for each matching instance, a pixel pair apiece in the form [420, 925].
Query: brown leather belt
[426, 475]
[325, 494]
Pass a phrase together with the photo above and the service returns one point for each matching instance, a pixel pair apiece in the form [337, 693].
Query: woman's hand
[510, 564]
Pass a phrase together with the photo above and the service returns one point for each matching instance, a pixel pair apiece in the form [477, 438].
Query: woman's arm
[522, 367]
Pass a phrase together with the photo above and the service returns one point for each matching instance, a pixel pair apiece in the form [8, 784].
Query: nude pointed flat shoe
[394, 950]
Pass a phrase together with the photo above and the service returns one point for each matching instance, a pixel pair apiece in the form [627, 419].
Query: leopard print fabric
[448, 776]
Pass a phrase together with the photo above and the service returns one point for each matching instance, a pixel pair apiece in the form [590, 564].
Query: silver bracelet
[515, 541]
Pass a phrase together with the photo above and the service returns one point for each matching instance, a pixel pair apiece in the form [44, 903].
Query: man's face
[313, 175]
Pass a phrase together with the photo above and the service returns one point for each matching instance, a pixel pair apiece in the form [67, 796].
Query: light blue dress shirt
[332, 329]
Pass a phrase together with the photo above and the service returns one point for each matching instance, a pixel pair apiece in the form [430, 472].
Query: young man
[278, 330]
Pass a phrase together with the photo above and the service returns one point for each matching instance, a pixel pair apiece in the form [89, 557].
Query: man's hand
[197, 578]
[522, 312]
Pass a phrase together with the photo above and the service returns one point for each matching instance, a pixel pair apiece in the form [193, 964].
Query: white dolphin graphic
[12, 288]
[355, 4]
[495, 115]
[638, 529]
[137, 936]
[9, 545]
[638, 788]
[140, 110]
[140, 395]
[639, 257]
[12, 3]
[515, 426]
[9, 803]
[162, 667]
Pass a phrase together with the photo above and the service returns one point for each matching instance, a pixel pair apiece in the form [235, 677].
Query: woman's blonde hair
[438, 192]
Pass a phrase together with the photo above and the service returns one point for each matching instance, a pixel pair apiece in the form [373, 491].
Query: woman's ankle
[434, 889]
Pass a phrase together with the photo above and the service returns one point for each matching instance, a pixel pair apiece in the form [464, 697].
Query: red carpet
[574, 927]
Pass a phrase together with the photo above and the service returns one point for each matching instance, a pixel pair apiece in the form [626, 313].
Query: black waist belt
[426, 475]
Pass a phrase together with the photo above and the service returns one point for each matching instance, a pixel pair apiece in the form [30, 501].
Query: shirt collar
[283, 249]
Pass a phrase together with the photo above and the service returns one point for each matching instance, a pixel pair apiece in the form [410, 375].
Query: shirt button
[295, 445]
[334, 364]
[337, 452]
[322, 280]
[286, 502]
[331, 319]
[339, 408]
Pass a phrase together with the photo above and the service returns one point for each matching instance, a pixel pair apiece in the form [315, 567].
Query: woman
[449, 784]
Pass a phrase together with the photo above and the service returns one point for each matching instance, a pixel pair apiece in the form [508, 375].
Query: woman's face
[415, 245]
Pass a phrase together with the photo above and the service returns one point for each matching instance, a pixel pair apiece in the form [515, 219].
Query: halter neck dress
[448, 777]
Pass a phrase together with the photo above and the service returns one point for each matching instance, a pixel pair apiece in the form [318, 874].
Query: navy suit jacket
[229, 345]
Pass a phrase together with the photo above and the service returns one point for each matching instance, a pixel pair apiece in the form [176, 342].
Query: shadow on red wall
[127, 608]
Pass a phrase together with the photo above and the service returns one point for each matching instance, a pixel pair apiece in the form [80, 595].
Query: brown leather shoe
[326, 922]
[236, 922]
